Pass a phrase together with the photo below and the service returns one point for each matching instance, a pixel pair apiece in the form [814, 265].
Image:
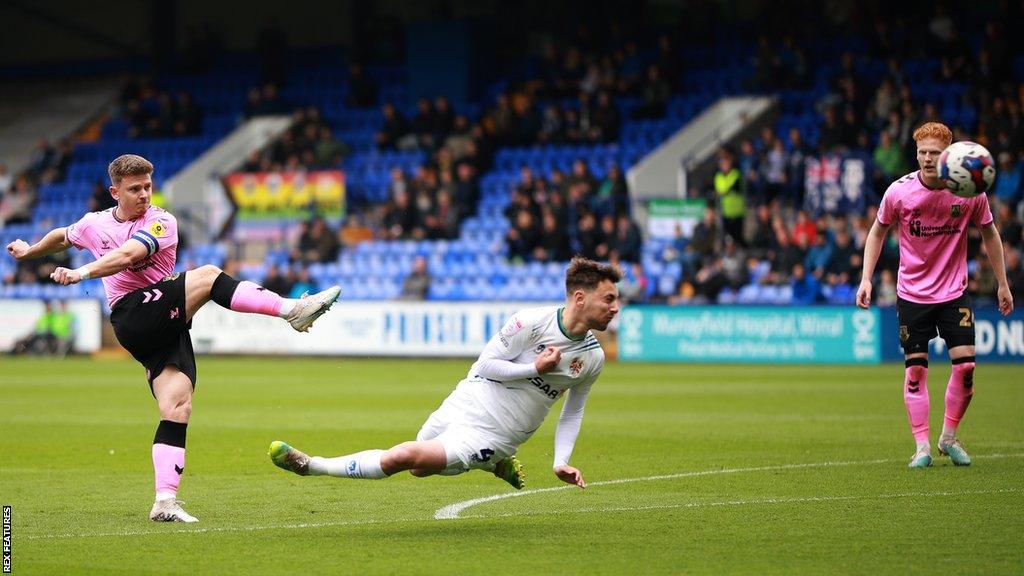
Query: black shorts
[150, 323]
[918, 323]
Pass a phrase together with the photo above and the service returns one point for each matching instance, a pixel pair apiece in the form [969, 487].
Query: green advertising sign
[664, 215]
[750, 334]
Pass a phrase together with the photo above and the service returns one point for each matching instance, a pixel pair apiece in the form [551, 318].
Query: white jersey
[505, 382]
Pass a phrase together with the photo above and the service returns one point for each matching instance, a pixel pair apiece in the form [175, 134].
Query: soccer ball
[967, 169]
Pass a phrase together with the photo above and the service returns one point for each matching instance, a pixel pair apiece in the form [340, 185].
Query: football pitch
[691, 470]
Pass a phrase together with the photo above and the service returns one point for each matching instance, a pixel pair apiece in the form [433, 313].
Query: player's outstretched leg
[288, 458]
[309, 308]
[510, 470]
[210, 283]
[959, 392]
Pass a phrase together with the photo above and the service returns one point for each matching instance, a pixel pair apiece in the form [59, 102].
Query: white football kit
[503, 400]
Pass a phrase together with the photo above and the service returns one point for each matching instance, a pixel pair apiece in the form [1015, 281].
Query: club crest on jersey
[157, 228]
[904, 333]
[539, 348]
[955, 210]
[576, 366]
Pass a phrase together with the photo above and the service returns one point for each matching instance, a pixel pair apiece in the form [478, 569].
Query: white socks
[365, 465]
[287, 305]
[921, 447]
[948, 434]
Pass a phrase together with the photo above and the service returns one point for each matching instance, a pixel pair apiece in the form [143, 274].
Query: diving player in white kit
[540, 354]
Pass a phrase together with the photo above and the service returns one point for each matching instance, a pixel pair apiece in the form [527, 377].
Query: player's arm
[495, 362]
[56, 240]
[872, 250]
[994, 248]
[567, 431]
[128, 254]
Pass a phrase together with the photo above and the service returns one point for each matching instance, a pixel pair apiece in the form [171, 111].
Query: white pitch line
[452, 511]
[804, 500]
[306, 525]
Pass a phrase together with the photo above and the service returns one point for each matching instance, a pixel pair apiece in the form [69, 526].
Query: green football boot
[510, 470]
[921, 459]
[955, 451]
[288, 458]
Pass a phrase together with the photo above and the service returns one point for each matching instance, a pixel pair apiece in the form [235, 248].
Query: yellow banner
[276, 194]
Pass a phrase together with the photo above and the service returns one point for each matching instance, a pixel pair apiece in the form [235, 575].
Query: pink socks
[168, 458]
[250, 297]
[915, 396]
[959, 392]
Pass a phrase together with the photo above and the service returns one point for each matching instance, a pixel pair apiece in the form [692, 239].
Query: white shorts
[471, 438]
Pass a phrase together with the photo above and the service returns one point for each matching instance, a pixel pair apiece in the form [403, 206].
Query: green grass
[76, 470]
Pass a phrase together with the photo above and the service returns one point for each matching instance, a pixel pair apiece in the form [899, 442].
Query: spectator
[1008, 188]
[443, 223]
[16, 206]
[732, 201]
[400, 217]
[554, 242]
[416, 285]
[275, 282]
[588, 236]
[303, 285]
[626, 242]
[886, 293]
[806, 289]
[393, 130]
[362, 92]
[354, 232]
[844, 264]
[523, 237]
[5, 180]
[888, 158]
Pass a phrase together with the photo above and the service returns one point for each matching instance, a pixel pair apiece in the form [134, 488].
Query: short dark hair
[585, 274]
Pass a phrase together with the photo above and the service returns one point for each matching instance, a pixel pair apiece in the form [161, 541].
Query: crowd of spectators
[154, 113]
[309, 144]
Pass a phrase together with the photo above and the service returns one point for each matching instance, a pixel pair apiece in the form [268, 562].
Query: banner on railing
[663, 215]
[794, 335]
[275, 195]
[837, 183]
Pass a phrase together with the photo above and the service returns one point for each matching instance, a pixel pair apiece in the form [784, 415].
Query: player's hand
[65, 276]
[18, 249]
[570, 475]
[864, 294]
[548, 360]
[1005, 298]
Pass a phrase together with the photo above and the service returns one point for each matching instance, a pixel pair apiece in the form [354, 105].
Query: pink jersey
[933, 238]
[101, 232]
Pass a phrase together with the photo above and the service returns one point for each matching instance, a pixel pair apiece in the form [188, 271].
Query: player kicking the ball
[932, 279]
[540, 354]
[151, 308]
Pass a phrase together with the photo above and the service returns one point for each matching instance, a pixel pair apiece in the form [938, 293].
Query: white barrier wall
[359, 328]
[18, 320]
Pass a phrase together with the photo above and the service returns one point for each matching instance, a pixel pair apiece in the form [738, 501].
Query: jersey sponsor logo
[921, 231]
[157, 228]
[544, 387]
[576, 366]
